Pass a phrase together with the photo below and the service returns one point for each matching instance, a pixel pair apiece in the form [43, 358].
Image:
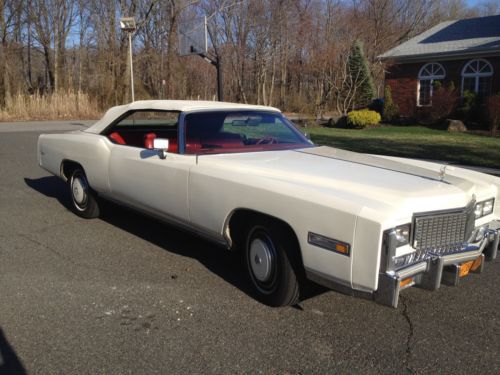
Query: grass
[414, 142]
[63, 105]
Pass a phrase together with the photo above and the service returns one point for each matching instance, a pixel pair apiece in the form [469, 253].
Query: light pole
[128, 25]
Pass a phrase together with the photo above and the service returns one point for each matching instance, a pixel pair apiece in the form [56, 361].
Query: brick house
[466, 52]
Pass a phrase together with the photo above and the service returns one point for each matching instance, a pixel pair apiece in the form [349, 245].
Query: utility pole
[128, 25]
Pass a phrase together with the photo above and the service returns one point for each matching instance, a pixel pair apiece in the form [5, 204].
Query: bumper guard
[439, 269]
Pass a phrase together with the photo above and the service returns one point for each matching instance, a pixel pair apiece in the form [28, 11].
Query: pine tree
[360, 76]
[390, 111]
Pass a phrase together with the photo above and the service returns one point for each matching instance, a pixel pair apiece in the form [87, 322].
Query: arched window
[429, 73]
[476, 77]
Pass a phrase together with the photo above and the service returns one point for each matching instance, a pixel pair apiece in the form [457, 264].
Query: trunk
[50, 84]
[30, 76]
[3, 63]
[56, 63]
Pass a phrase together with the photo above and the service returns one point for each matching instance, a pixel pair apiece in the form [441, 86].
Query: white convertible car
[246, 178]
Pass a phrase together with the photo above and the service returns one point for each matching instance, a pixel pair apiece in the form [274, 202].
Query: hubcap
[261, 259]
[79, 191]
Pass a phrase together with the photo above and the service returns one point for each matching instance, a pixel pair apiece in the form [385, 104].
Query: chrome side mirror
[161, 145]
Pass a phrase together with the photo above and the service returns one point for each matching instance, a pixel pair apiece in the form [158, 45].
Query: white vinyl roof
[171, 105]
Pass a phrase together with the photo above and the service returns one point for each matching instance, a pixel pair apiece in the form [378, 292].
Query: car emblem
[442, 172]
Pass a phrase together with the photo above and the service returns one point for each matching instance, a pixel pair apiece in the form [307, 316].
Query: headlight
[394, 238]
[478, 211]
[488, 207]
[484, 208]
[403, 234]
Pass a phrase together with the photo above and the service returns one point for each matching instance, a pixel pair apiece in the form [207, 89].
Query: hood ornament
[442, 172]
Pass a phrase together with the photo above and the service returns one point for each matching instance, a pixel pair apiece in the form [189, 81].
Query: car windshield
[220, 132]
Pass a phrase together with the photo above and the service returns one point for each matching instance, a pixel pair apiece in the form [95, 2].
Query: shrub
[493, 109]
[362, 118]
[390, 110]
[444, 101]
[52, 106]
[469, 105]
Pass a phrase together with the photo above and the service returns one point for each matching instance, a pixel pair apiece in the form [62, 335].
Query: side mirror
[161, 145]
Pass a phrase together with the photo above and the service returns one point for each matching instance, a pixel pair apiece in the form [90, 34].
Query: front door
[139, 178]
[137, 175]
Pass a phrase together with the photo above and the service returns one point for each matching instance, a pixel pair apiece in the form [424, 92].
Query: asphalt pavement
[127, 294]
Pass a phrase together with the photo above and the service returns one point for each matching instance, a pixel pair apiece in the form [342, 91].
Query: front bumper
[437, 270]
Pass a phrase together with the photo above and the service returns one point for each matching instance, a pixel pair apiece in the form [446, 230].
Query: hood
[384, 186]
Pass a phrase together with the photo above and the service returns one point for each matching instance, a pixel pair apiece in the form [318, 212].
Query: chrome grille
[442, 232]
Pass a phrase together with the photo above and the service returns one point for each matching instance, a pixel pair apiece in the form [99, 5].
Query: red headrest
[117, 138]
[149, 140]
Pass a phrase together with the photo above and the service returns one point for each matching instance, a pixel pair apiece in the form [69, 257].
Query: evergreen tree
[391, 111]
[361, 77]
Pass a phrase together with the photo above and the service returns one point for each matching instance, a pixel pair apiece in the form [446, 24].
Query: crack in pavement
[60, 255]
[406, 315]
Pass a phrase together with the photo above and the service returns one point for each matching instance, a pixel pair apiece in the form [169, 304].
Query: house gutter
[404, 59]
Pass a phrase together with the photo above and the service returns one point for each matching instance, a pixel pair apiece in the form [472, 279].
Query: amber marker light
[329, 243]
[405, 282]
[341, 248]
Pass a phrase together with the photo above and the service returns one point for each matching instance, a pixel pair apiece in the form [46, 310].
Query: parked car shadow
[226, 264]
[51, 187]
[9, 362]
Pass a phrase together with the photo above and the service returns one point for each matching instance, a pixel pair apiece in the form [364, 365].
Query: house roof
[457, 38]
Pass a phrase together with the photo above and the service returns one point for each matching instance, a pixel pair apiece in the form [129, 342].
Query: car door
[139, 177]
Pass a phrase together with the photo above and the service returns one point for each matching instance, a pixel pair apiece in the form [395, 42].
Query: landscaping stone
[455, 126]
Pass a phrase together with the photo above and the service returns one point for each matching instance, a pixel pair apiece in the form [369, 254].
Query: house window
[476, 77]
[428, 74]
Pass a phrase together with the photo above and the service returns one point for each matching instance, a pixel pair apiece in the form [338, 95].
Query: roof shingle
[450, 38]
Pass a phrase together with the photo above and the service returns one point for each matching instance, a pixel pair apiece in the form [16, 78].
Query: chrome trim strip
[336, 284]
[412, 270]
[181, 224]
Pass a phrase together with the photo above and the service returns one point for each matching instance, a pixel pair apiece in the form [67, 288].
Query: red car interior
[215, 142]
[117, 138]
[138, 138]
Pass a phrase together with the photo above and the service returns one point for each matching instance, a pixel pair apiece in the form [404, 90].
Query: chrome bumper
[437, 270]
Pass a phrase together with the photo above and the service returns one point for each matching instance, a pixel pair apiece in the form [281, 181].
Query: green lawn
[414, 142]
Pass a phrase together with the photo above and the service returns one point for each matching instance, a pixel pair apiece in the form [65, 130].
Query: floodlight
[128, 24]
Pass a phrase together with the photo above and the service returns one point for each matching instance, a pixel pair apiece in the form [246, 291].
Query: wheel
[269, 265]
[83, 199]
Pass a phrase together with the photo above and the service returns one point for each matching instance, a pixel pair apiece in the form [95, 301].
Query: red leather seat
[173, 146]
[215, 142]
[149, 140]
[117, 138]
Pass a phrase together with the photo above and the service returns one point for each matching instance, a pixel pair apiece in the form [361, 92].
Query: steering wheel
[267, 141]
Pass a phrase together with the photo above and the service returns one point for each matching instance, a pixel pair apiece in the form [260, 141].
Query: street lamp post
[128, 25]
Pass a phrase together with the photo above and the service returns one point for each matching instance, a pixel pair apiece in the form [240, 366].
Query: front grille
[442, 232]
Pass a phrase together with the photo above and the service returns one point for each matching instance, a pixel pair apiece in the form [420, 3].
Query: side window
[150, 119]
[140, 128]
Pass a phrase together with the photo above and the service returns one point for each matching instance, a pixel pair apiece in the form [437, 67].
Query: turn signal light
[405, 282]
[329, 243]
[341, 248]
